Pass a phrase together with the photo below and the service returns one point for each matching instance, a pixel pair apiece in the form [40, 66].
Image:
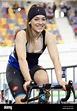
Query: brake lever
[28, 94]
[72, 89]
[29, 88]
[67, 95]
[69, 88]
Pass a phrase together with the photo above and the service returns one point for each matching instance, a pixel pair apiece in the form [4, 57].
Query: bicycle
[42, 88]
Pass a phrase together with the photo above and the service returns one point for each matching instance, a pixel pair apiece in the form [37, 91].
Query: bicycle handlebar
[69, 87]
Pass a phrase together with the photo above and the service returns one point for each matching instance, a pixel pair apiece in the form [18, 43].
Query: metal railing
[69, 73]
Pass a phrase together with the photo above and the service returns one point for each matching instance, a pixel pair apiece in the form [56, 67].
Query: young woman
[30, 43]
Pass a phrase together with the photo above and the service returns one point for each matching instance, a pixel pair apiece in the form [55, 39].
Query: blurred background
[61, 21]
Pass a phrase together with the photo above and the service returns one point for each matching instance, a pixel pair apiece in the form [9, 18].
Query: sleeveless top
[32, 58]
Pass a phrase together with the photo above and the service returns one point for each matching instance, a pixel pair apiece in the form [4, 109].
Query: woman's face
[38, 23]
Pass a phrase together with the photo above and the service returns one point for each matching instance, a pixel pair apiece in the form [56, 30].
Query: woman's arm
[21, 53]
[54, 55]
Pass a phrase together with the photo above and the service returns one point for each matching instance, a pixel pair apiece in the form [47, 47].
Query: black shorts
[15, 79]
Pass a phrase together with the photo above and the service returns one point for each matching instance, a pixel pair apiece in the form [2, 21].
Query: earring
[29, 23]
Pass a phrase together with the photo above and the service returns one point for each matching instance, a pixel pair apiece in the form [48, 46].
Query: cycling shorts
[16, 80]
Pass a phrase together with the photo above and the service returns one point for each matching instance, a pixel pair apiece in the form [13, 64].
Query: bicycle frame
[41, 98]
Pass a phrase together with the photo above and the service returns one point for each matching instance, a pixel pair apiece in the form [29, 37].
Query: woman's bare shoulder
[49, 35]
[20, 32]
[21, 36]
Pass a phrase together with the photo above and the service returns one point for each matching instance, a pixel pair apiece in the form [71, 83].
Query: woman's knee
[41, 77]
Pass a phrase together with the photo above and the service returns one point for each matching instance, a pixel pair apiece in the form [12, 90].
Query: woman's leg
[18, 99]
[17, 90]
[15, 82]
[41, 77]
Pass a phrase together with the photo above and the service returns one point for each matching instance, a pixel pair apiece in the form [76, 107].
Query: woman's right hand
[26, 84]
